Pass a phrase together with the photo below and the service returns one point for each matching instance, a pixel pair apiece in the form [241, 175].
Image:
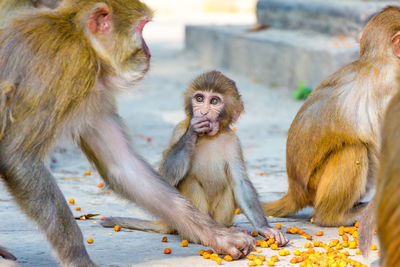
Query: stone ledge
[278, 58]
[328, 17]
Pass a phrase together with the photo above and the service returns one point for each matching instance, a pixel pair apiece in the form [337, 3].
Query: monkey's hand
[269, 232]
[236, 244]
[199, 126]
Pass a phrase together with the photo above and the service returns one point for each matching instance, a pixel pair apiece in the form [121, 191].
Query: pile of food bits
[317, 253]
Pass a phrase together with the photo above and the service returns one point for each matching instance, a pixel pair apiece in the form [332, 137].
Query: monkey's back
[337, 113]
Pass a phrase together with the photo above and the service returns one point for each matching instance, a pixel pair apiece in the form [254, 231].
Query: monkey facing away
[204, 160]
[59, 73]
[334, 140]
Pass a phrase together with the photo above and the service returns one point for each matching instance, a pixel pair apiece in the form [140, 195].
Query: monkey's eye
[199, 98]
[214, 100]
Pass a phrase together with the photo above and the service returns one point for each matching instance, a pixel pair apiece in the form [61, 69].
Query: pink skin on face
[208, 105]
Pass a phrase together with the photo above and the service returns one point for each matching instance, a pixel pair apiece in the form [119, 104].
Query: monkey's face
[209, 105]
[115, 30]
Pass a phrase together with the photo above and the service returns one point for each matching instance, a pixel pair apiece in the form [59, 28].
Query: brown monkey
[204, 160]
[388, 188]
[59, 73]
[10, 8]
[333, 142]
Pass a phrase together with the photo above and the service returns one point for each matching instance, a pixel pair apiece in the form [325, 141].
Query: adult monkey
[333, 142]
[10, 8]
[59, 73]
[204, 160]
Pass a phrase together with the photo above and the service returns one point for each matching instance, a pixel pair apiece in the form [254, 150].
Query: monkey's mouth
[146, 49]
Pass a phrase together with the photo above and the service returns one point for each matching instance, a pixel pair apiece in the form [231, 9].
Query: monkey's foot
[269, 232]
[7, 255]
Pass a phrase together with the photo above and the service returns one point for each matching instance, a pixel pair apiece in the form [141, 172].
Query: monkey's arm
[107, 146]
[247, 198]
[176, 159]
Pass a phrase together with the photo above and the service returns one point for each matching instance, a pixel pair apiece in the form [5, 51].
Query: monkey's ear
[238, 111]
[396, 44]
[99, 19]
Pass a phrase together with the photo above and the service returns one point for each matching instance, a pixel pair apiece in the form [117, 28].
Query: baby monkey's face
[208, 105]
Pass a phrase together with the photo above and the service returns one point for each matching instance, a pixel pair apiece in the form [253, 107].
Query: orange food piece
[210, 251]
[149, 139]
[165, 239]
[274, 258]
[279, 226]
[100, 185]
[254, 233]
[78, 208]
[237, 211]
[261, 173]
[71, 201]
[88, 172]
[117, 228]
[274, 247]
[262, 258]
[234, 129]
[357, 224]
[90, 240]
[185, 243]
[167, 251]
[270, 263]
[319, 233]
[228, 258]
[103, 218]
[373, 247]
[141, 135]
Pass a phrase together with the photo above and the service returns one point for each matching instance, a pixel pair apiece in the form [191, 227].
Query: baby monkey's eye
[214, 100]
[199, 98]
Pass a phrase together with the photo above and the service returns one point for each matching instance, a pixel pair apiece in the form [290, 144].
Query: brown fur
[333, 142]
[59, 73]
[388, 188]
[209, 170]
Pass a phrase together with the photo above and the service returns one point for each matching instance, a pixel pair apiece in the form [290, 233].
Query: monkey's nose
[203, 112]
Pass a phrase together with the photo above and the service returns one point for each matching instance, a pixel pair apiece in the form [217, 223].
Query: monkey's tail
[367, 227]
[138, 224]
[287, 205]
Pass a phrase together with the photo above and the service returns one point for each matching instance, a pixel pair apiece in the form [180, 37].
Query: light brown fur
[60, 71]
[333, 142]
[209, 170]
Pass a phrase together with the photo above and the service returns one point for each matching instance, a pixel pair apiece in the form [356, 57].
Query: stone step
[276, 57]
[328, 17]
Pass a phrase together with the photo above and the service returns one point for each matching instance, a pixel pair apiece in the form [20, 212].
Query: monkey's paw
[269, 232]
[236, 244]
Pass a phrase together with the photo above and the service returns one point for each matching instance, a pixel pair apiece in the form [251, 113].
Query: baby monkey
[204, 160]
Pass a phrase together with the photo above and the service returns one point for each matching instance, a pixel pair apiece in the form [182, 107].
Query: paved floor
[152, 109]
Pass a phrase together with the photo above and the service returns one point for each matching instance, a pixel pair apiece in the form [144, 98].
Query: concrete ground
[152, 109]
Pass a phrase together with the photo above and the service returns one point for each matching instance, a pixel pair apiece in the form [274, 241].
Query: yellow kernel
[312, 220]
[110, 234]
[262, 258]
[218, 260]
[274, 247]
[352, 244]
[278, 226]
[117, 228]
[374, 247]
[258, 262]
[228, 258]
[100, 185]
[201, 252]
[270, 263]
[358, 252]
[71, 201]
[185, 243]
[237, 211]
[88, 172]
[296, 252]
[355, 234]
[90, 240]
